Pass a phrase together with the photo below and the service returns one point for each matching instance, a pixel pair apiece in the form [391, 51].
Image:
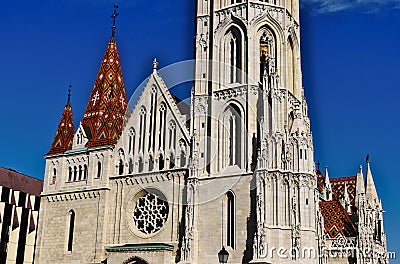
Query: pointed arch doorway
[135, 260]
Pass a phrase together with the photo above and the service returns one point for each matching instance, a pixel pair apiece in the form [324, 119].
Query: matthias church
[230, 175]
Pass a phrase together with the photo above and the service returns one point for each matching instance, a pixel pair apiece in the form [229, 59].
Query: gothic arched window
[142, 129]
[75, 173]
[162, 135]
[161, 162]
[53, 181]
[71, 226]
[130, 169]
[171, 161]
[182, 147]
[80, 172]
[140, 163]
[131, 141]
[233, 56]
[120, 167]
[79, 138]
[232, 126]
[230, 219]
[151, 163]
[183, 159]
[291, 67]
[267, 53]
[152, 117]
[172, 135]
[69, 174]
[98, 169]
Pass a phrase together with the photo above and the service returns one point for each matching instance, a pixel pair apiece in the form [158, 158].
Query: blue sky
[350, 59]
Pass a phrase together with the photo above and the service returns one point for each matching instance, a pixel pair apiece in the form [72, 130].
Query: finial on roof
[155, 65]
[114, 17]
[69, 94]
[367, 159]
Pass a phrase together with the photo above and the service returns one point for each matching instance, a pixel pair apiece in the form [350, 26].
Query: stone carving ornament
[150, 213]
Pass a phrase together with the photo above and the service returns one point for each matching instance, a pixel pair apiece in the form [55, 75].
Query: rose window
[150, 213]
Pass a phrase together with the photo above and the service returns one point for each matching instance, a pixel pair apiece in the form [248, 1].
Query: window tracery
[150, 213]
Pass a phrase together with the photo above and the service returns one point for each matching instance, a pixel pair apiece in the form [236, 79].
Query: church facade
[165, 182]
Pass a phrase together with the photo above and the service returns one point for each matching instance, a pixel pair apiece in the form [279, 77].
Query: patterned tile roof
[338, 188]
[65, 131]
[336, 220]
[106, 110]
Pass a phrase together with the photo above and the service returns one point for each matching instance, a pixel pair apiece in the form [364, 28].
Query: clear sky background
[350, 57]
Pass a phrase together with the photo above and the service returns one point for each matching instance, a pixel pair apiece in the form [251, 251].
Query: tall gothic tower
[252, 161]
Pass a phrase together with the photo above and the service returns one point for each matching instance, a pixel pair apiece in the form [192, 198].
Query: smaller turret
[65, 132]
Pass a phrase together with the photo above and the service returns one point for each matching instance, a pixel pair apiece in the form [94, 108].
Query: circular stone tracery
[150, 213]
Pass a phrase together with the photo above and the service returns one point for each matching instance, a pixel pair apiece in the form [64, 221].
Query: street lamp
[223, 256]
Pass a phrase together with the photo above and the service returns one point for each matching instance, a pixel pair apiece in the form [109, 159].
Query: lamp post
[223, 256]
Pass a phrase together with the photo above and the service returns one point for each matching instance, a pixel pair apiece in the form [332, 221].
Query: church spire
[371, 194]
[328, 186]
[65, 132]
[106, 109]
[360, 186]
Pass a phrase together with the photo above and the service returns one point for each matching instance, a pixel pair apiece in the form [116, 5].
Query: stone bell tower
[252, 167]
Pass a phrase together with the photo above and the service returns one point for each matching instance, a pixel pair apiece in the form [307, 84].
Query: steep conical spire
[360, 186]
[106, 110]
[370, 194]
[65, 132]
[328, 186]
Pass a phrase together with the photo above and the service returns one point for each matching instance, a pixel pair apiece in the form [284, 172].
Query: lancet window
[162, 126]
[233, 56]
[230, 219]
[232, 133]
[71, 226]
[267, 54]
[98, 169]
[291, 69]
[152, 118]
[172, 135]
[131, 141]
[142, 129]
